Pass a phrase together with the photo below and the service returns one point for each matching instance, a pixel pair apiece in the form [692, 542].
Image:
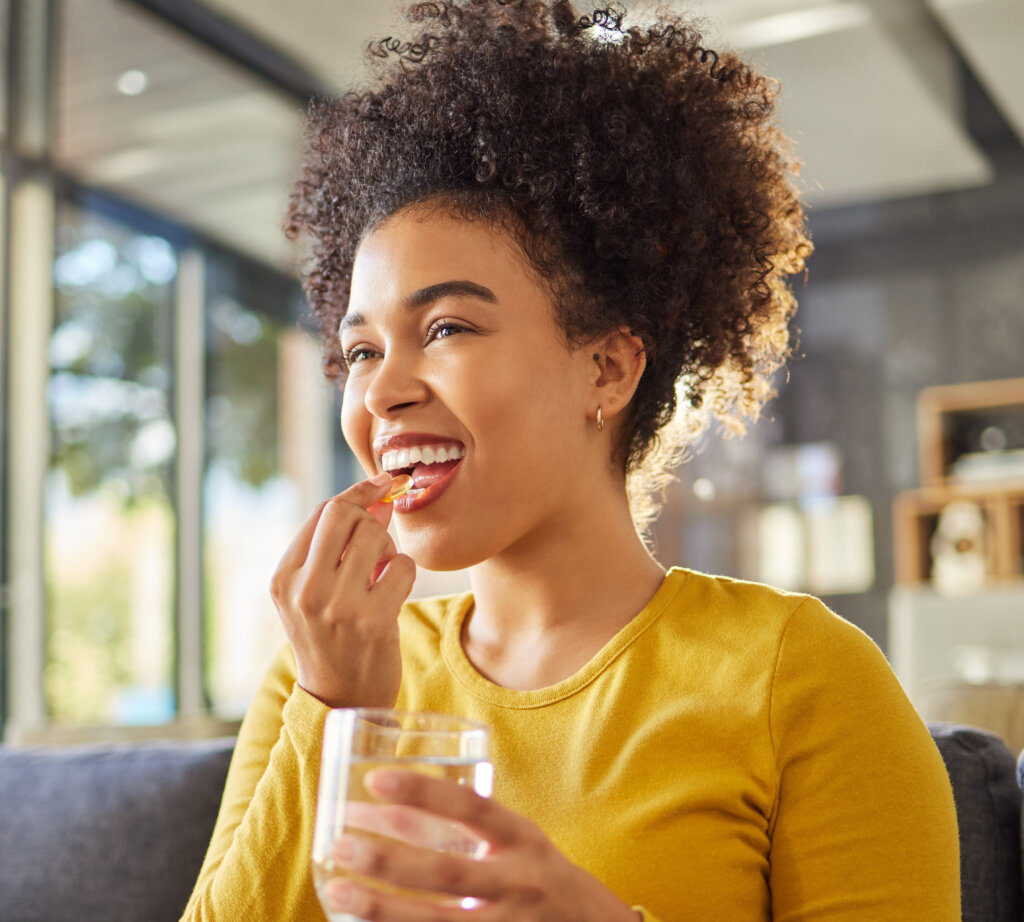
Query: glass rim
[456, 725]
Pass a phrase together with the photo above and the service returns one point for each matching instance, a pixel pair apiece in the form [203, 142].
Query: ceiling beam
[232, 41]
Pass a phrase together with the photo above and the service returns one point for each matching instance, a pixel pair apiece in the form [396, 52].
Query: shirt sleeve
[257, 866]
[864, 826]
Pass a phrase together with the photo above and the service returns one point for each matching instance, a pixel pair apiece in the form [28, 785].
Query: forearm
[257, 867]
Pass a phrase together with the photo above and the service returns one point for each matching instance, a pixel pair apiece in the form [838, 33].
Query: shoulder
[749, 614]
[829, 679]
[798, 644]
[819, 646]
[726, 595]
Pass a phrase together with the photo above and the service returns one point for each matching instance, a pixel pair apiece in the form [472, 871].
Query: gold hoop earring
[600, 420]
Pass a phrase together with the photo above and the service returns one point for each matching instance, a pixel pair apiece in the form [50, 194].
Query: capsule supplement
[401, 485]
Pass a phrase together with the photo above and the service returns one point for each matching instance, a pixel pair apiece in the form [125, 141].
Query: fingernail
[340, 894]
[384, 783]
[344, 850]
[380, 479]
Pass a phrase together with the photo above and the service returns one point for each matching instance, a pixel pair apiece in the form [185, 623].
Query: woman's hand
[338, 590]
[521, 878]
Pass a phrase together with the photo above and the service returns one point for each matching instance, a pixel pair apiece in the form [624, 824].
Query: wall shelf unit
[957, 644]
[972, 451]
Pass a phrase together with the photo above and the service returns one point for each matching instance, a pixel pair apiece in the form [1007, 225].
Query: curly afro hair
[641, 173]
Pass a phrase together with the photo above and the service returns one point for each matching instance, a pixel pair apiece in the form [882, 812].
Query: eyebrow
[457, 288]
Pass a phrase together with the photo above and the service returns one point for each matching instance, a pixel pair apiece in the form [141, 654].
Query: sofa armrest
[988, 810]
[112, 833]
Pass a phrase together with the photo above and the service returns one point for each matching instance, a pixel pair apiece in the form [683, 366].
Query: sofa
[986, 789]
[117, 833]
[106, 833]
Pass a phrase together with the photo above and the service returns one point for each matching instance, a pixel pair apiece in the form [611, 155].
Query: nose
[397, 385]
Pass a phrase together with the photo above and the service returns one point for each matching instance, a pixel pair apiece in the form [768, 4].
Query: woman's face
[455, 357]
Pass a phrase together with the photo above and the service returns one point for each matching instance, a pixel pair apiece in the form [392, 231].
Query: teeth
[421, 454]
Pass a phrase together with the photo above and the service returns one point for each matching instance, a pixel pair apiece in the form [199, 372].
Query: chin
[439, 552]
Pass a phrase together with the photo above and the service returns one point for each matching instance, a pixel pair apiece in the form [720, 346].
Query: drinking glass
[358, 741]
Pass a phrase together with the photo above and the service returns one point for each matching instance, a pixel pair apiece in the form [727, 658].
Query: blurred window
[174, 427]
[162, 529]
[109, 516]
[258, 420]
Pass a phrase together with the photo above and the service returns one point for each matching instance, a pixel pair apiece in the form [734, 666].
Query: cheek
[355, 423]
[543, 393]
[529, 424]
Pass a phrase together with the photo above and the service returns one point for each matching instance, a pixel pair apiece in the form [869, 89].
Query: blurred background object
[166, 428]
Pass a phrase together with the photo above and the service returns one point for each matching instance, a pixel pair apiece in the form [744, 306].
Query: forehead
[416, 248]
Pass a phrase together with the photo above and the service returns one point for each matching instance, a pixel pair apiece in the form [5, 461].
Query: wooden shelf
[944, 413]
[950, 420]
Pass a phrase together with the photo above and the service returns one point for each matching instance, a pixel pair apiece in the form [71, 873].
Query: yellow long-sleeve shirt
[734, 754]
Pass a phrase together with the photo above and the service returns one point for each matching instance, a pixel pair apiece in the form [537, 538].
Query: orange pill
[401, 485]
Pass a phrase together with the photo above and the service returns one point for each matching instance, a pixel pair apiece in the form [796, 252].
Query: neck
[587, 576]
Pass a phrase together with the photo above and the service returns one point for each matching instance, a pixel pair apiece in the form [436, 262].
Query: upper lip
[411, 440]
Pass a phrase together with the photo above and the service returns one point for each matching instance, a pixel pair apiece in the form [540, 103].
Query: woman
[532, 237]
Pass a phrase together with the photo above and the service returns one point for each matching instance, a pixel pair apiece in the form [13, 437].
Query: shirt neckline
[467, 676]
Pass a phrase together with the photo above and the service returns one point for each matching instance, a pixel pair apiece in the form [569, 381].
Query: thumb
[367, 492]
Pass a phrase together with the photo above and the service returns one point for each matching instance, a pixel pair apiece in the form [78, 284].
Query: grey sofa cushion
[106, 833]
[988, 810]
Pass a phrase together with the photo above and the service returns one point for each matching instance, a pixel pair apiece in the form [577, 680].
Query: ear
[618, 362]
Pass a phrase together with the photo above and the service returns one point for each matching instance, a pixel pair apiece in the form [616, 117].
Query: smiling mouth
[426, 464]
[430, 483]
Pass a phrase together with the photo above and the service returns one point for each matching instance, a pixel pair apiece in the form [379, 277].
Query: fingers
[390, 551]
[382, 512]
[395, 581]
[334, 532]
[364, 544]
[397, 877]
[338, 591]
[372, 552]
[362, 902]
[412, 868]
[496, 824]
[338, 522]
[365, 493]
[411, 826]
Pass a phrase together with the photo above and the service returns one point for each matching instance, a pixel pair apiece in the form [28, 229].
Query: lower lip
[415, 500]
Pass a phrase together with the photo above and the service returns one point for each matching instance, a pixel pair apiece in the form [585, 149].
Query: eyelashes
[355, 355]
[442, 328]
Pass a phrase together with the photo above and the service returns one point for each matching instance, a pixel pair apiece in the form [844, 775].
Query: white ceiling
[872, 120]
[990, 34]
[866, 124]
[869, 94]
[205, 144]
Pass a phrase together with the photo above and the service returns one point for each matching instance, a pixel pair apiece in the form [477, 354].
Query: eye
[358, 354]
[443, 328]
